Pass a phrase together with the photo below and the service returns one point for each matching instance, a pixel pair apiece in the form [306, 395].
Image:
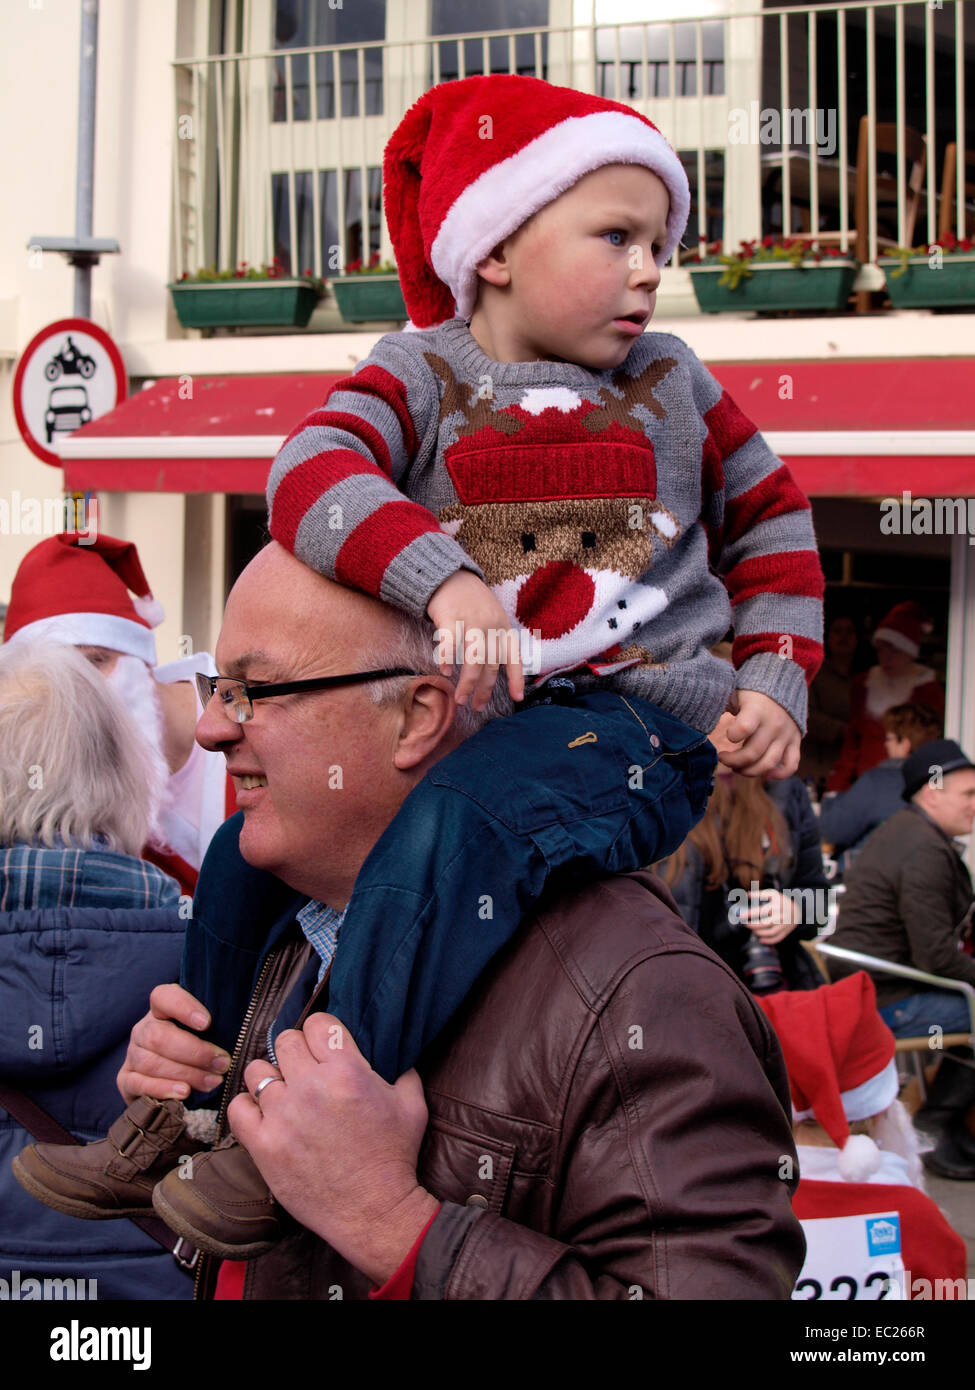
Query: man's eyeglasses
[236, 696]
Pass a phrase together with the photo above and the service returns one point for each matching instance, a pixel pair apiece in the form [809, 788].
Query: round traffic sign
[69, 374]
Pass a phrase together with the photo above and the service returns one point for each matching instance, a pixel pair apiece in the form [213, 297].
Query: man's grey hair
[73, 764]
[415, 648]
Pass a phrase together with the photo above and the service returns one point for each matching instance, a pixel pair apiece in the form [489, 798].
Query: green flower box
[368, 298]
[776, 287]
[923, 286]
[244, 303]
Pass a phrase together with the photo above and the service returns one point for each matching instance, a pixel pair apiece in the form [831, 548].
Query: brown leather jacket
[608, 1120]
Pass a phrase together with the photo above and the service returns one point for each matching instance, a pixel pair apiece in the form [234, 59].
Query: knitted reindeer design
[567, 534]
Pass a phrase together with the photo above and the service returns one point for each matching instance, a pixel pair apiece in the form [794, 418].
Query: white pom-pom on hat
[859, 1159]
[149, 609]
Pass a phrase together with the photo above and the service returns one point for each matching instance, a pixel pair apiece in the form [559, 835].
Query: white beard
[133, 683]
[894, 1132]
[883, 691]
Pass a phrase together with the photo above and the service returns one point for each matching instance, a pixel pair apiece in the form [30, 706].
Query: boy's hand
[466, 600]
[761, 740]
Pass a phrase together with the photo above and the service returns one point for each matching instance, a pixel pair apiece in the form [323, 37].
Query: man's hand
[163, 1060]
[466, 600]
[761, 740]
[338, 1146]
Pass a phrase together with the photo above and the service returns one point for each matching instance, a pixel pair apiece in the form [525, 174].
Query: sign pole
[85, 175]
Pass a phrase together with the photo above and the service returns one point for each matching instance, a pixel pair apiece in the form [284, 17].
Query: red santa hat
[839, 1054]
[472, 161]
[87, 591]
[903, 627]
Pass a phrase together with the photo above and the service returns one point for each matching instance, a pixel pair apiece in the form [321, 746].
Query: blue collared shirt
[321, 924]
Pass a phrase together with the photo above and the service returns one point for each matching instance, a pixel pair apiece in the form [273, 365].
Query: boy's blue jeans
[567, 787]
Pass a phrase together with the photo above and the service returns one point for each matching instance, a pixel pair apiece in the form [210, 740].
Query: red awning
[192, 434]
[863, 428]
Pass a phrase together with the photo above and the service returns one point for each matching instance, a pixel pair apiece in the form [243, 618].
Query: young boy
[538, 464]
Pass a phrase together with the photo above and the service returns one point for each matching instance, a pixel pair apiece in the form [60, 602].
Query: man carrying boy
[539, 464]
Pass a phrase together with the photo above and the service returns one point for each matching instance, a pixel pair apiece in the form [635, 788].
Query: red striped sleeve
[794, 572]
[728, 429]
[373, 439]
[802, 650]
[365, 555]
[712, 473]
[774, 495]
[376, 381]
[305, 484]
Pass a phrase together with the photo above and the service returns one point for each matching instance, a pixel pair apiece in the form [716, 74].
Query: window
[467, 57]
[637, 82]
[314, 24]
[328, 233]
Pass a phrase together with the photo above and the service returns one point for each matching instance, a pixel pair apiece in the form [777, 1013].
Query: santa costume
[92, 591]
[871, 1230]
[874, 692]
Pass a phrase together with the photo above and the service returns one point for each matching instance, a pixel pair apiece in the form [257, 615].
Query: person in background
[895, 679]
[846, 819]
[861, 1199]
[760, 840]
[909, 900]
[88, 927]
[829, 703]
[92, 592]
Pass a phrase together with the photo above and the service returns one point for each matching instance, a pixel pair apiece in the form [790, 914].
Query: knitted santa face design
[562, 536]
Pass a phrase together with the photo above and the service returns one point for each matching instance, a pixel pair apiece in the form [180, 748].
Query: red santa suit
[881, 1237]
[874, 692]
[871, 1232]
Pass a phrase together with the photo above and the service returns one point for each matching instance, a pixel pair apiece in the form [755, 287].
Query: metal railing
[279, 152]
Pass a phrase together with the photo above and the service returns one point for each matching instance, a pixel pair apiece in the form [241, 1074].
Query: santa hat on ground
[87, 591]
[472, 160]
[903, 627]
[839, 1054]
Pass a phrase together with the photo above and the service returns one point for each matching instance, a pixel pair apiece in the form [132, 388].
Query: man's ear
[494, 268]
[427, 721]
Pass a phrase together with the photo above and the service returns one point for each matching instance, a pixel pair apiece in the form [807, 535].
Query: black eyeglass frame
[207, 685]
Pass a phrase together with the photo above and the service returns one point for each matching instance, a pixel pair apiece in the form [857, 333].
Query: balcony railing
[806, 119]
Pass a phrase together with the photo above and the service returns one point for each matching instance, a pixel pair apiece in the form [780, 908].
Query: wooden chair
[824, 951]
[915, 149]
[947, 215]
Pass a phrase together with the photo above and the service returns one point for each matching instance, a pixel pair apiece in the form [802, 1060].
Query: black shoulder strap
[44, 1127]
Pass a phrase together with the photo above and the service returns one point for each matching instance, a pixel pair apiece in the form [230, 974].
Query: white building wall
[132, 200]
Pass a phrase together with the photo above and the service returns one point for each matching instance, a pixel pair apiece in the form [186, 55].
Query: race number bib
[852, 1257]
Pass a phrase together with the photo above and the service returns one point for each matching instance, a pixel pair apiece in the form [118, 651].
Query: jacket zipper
[228, 1093]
